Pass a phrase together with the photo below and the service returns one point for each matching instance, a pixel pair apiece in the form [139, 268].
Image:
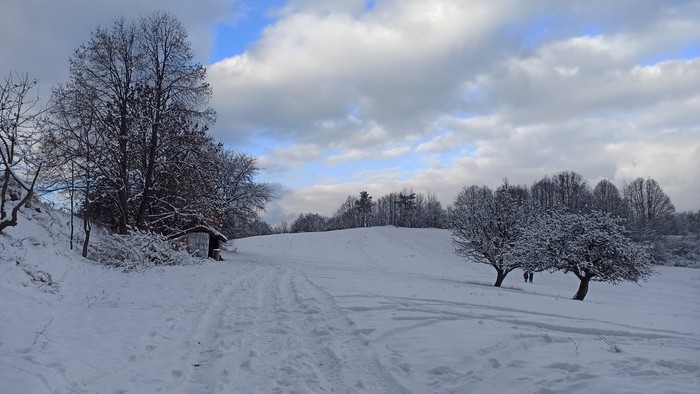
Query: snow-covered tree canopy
[486, 224]
[594, 246]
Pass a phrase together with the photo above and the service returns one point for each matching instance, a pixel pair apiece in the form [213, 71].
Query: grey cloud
[38, 36]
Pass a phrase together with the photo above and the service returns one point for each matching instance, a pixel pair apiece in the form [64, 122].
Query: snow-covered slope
[378, 310]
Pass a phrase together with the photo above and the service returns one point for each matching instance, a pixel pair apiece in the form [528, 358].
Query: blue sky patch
[683, 53]
[234, 38]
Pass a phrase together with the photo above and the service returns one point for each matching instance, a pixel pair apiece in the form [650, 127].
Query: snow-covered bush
[138, 250]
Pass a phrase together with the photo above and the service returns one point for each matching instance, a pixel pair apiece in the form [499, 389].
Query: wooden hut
[201, 239]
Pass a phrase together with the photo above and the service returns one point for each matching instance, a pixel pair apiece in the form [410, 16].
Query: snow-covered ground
[378, 310]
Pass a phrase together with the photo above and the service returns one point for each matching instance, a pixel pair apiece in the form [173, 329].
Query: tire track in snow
[274, 331]
[204, 348]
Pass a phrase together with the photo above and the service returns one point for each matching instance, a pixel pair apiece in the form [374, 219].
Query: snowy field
[378, 310]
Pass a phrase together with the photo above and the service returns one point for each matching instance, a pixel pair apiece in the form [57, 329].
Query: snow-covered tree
[486, 224]
[593, 246]
[148, 102]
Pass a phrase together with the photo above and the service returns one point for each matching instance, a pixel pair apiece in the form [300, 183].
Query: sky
[339, 97]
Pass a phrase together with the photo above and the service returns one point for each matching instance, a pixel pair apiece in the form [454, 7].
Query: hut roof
[202, 228]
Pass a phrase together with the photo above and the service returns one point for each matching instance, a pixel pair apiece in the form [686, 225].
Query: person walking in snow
[525, 276]
[531, 275]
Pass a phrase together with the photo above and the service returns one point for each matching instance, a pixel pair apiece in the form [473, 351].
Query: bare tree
[647, 201]
[172, 87]
[363, 206]
[71, 143]
[240, 196]
[18, 119]
[435, 215]
[572, 190]
[544, 193]
[106, 69]
[565, 190]
[346, 216]
[606, 198]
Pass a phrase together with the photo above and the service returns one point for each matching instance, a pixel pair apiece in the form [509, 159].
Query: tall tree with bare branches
[20, 165]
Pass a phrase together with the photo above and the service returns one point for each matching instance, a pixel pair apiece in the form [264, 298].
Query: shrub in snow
[139, 250]
[42, 279]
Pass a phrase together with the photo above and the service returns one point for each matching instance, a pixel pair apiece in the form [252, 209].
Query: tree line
[401, 209]
[126, 139]
[644, 205]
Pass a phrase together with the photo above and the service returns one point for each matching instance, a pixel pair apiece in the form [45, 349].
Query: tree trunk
[87, 222]
[150, 169]
[582, 288]
[87, 226]
[500, 277]
[3, 194]
[72, 205]
[12, 221]
[123, 183]
[152, 153]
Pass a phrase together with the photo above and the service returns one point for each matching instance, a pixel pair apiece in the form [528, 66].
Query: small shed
[201, 239]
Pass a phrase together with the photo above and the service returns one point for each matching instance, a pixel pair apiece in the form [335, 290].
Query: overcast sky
[336, 97]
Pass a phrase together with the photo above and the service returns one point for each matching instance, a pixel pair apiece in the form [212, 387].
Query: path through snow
[270, 331]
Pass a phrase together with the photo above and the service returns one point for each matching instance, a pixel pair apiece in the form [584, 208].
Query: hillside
[377, 310]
